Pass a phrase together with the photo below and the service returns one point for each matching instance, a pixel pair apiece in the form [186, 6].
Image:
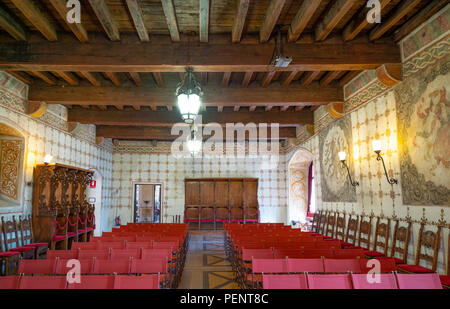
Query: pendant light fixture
[194, 143]
[189, 93]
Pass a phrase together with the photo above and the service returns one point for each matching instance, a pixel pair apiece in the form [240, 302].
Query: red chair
[269, 266]
[138, 245]
[61, 267]
[386, 265]
[349, 254]
[387, 282]
[419, 281]
[93, 282]
[62, 254]
[125, 254]
[32, 267]
[342, 265]
[336, 282]
[111, 245]
[90, 254]
[146, 282]
[149, 266]
[156, 253]
[318, 253]
[305, 265]
[249, 254]
[284, 282]
[285, 253]
[84, 246]
[43, 282]
[9, 282]
[111, 267]
[165, 245]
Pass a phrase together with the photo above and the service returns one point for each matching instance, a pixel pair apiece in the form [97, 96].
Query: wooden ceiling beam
[46, 77]
[236, 108]
[291, 77]
[23, 78]
[252, 108]
[113, 78]
[329, 77]
[271, 19]
[239, 20]
[402, 10]
[78, 29]
[268, 79]
[309, 77]
[105, 18]
[31, 12]
[90, 77]
[204, 20]
[70, 78]
[302, 19]
[158, 79]
[339, 9]
[104, 56]
[136, 78]
[12, 26]
[247, 79]
[138, 19]
[226, 79]
[171, 19]
[147, 95]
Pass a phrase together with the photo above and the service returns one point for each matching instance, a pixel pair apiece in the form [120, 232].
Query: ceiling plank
[164, 118]
[103, 56]
[136, 78]
[348, 77]
[226, 79]
[301, 20]
[171, 19]
[90, 77]
[35, 16]
[268, 79]
[113, 77]
[272, 16]
[204, 20]
[147, 95]
[158, 79]
[290, 78]
[308, 78]
[247, 79]
[402, 10]
[46, 77]
[21, 77]
[105, 18]
[422, 16]
[10, 25]
[339, 9]
[78, 29]
[138, 19]
[329, 77]
[357, 24]
[70, 78]
[239, 20]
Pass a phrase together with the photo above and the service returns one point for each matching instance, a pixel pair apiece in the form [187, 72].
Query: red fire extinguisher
[117, 220]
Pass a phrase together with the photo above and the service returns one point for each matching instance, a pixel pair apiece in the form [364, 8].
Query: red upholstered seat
[445, 280]
[373, 253]
[71, 234]
[89, 229]
[415, 269]
[81, 231]
[8, 254]
[59, 237]
[397, 260]
[352, 247]
[37, 244]
[22, 249]
[347, 244]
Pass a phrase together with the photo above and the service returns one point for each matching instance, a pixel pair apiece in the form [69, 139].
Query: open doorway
[147, 203]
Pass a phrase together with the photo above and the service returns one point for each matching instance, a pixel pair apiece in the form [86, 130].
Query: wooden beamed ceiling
[128, 55]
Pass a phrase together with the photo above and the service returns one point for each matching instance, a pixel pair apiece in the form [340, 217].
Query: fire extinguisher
[117, 220]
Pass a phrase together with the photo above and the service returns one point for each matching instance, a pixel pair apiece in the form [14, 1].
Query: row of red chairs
[111, 254]
[126, 245]
[303, 253]
[86, 282]
[352, 281]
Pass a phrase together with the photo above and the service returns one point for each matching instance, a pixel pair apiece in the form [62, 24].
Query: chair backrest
[387, 265]
[323, 222]
[269, 266]
[318, 253]
[342, 265]
[149, 266]
[89, 254]
[382, 235]
[419, 281]
[26, 230]
[84, 246]
[37, 267]
[138, 245]
[111, 267]
[43, 282]
[284, 282]
[9, 282]
[62, 254]
[156, 253]
[329, 281]
[383, 281]
[288, 253]
[125, 254]
[431, 241]
[249, 254]
[400, 240]
[315, 222]
[147, 282]
[352, 228]
[340, 227]
[165, 245]
[305, 265]
[93, 282]
[349, 253]
[112, 245]
[331, 221]
[10, 235]
[61, 267]
[365, 231]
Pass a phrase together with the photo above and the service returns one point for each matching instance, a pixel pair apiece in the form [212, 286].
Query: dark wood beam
[309, 77]
[226, 79]
[348, 77]
[268, 79]
[358, 23]
[78, 29]
[35, 16]
[21, 77]
[272, 15]
[204, 20]
[171, 19]
[46, 77]
[164, 133]
[70, 78]
[422, 16]
[247, 79]
[10, 25]
[102, 56]
[339, 9]
[301, 20]
[105, 18]
[138, 19]
[252, 108]
[402, 10]
[284, 108]
[113, 77]
[90, 77]
[239, 20]
[136, 78]
[147, 95]
[158, 79]
[329, 77]
[291, 77]
[219, 109]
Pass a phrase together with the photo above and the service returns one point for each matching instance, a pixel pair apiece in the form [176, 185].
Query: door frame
[134, 183]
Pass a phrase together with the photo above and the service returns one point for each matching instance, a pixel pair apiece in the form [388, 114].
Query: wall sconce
[48, 159]
[377, 148]
[342, 157]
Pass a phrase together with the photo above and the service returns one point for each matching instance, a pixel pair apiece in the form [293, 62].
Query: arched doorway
[298, 176]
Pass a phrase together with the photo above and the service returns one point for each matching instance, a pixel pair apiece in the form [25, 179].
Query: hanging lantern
[189, 93]
[194, 143]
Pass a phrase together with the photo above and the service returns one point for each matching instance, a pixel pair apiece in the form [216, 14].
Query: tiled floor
[206, 264]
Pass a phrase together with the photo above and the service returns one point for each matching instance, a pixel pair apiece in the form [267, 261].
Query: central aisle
[207, 266]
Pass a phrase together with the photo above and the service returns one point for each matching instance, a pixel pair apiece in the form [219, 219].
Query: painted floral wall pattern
[336, 138]
[423, 111]
[10, 153]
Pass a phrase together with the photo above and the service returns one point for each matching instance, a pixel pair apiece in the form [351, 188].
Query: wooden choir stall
[61, 214]
[210, 202]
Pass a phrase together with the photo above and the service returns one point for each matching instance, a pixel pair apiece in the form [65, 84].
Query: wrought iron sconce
[377, 148]
[342, 156]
